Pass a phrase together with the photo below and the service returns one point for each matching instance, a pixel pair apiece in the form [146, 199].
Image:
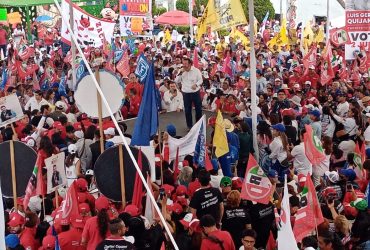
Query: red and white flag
[123, 66]
[309, 214]
[327, 72]
[312, 146]
[70, 203]
[309, 59]
[256, 185]
[137, 196]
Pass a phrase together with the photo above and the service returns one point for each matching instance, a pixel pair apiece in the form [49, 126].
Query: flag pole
[253, 78]
[327, 19]
[14, 179]
[160, 153]
[122, 175]
[101, 132]
[73, 47]
[191, 20]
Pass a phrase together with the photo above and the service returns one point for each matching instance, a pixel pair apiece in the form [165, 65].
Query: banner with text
[135, 17]
[358, 28]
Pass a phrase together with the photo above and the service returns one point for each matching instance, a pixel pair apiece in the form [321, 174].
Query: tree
[182, 5]
[157, 11]
[260, 9]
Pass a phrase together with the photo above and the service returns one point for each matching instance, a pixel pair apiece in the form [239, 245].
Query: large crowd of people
[203, 209]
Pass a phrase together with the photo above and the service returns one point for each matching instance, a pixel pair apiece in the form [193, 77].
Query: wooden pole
[73, 47]
[122, 175]
[160, 153]
[14, 179]
[100, 113]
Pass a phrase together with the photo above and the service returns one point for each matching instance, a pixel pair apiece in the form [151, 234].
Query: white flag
[285, 237]
[187, 143]
[2, 221]
[150, 212]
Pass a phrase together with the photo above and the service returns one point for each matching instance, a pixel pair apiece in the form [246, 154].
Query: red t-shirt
[3, 36]
[138, 87]
[91, 233]
[224, 236]
[312, 78]
[134, 105]
[27, 239]
[71, 240]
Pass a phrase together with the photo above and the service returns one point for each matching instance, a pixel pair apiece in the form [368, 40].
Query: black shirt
[115, 244]
[234, 221]
[207, 201]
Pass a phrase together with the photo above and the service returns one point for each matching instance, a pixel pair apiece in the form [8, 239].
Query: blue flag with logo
[200, 149]
[142, 68]
[62, 86]
[146, 124]
[81, 71]
[4, 78]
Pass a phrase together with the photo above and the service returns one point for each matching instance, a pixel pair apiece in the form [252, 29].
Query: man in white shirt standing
[191, 81]
[300, 161]
[172, 99]
[343, 105]
[36, 101]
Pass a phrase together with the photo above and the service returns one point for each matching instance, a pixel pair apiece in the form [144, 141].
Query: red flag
[137, 196]
[195, 58]
[271, 243]
[176, 170]
[214, 69]
[312, 147]
[70, 203]
[309, 59]
[256, 185]
[123, 66]
[226, 68]
[343, 74]
[27, 53]
[166, 153]
[327, 72]
[309, 214]
[208, 164]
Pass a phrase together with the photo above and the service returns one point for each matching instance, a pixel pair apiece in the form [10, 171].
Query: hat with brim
[228, 125]
[296, 100]
[365, 99]
[359, 204]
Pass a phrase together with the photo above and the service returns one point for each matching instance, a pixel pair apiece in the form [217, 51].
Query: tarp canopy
[22, 3]
[175, 17]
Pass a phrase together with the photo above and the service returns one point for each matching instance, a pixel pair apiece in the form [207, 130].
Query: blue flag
[80, 71]
[45, 85]
[200, 149]
[54, 232]
[62, 86]
[146, 124]
[4, 78]
[142, 68]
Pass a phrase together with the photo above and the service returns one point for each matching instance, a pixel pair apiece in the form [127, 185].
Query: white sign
[10, 110]
[90, 31]
[56, 175]
[187, 143]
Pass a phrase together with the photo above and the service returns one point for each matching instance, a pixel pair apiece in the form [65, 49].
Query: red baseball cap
[236, 183]
[168, 189]
[20, 201]
[15, 220]
[48, 242]
[84, 207]
[185, 163]
[58, 125]
[132, 210]
[81, 184]
[176, 208]
[182, 201]
[77, 126]
[186, 220]
[181, 190]
[102, 203]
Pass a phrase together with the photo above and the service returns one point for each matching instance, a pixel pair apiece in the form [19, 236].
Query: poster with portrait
[56, 175]
[10, 110]
[358, 27]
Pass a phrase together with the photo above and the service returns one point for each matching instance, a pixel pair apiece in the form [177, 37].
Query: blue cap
[279, 127]
[258, 71]
[171, 130]
[12, 240]
[367, 153]
[315, 112]
[349, 173]
[272, 173]
[55, 85]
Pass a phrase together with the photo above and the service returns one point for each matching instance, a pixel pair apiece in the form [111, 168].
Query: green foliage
[157, 11]
[182, 5]
[260, 9]
[93, 10]
[182, 29]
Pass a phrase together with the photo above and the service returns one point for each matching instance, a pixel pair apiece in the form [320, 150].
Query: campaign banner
[90, 31]
[10, 110]
[187, 143]
[135, 17]
[358, 27]
[339, 36]
[56, 175]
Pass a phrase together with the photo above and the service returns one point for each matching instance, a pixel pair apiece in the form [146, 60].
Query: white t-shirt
[342, 109]
[300, 161]
[277, 150]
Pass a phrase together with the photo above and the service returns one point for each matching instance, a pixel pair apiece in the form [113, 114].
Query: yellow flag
[319, 35]
[219, 137]
[221, 15]
[281, 38]
[307, 36]
[167, 37]
[237, 35]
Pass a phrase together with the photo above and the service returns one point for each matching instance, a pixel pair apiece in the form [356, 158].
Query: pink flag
[309, 59]
[70, 203]
[312, 146]
[256, 185]
[309, 215]
[195, 58]
[226, 68]
[123, 66]
[327, 72]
